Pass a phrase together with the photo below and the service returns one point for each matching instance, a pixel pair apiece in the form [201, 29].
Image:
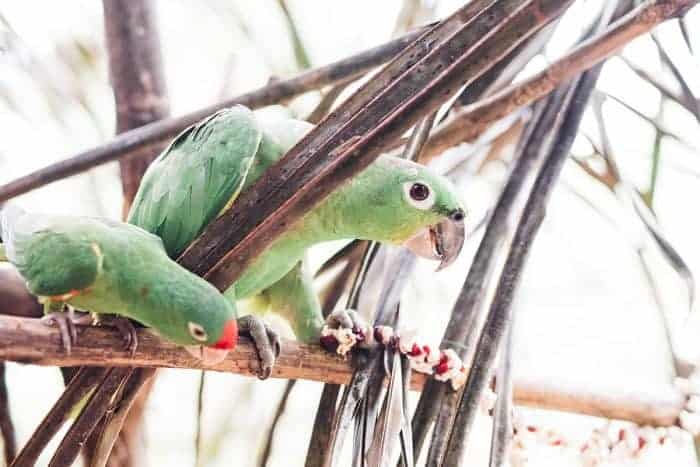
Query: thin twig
[265, 457]
[663, 89]
[7, 428]
[300, 54]
[502, 432]
[688, 97]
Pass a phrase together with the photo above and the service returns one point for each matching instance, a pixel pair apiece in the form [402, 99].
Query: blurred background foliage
[602, 303]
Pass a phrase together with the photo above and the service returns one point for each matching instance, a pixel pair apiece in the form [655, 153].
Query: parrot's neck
[344, 214]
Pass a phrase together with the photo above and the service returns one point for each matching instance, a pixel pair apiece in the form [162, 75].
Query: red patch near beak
[229, 337]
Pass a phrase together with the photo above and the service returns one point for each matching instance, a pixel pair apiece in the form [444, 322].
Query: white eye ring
[197, 331]
[422, 204]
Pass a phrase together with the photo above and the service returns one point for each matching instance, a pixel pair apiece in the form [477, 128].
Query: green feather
[196, 177]
[112, 267]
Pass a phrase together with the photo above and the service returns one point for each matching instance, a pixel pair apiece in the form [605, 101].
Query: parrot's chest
[270, 267]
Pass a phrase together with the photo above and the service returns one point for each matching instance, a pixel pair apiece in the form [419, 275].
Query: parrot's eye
[419, 195]
[197, 332]
[419, 192]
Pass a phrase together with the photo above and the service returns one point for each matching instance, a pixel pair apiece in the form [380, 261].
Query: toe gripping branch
[443, 365]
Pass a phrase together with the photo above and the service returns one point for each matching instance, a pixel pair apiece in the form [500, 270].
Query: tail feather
[9, 217]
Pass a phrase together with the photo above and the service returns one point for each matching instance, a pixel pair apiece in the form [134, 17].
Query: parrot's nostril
[457, 215]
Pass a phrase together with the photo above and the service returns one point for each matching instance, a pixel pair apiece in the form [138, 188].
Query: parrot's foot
[267, 342]
[67, 322]
[343, 330]
[125, 327]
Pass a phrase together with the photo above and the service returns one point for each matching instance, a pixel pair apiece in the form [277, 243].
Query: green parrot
[205, 168]
[112, 267]
[202, 172]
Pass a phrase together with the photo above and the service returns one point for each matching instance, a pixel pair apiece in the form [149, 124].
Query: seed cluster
[443, 365]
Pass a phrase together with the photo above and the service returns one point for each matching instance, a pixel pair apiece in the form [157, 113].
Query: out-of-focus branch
[131, 143]
[137, 78]
[7, 428]
[30, 341]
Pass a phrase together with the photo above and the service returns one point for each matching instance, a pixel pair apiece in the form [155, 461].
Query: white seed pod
[693, 404]
[683, 385]
[690, 422]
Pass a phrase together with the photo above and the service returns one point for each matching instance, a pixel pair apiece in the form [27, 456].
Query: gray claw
[267, 343]
[346, 319]
[67, 324]
[125, 327]
[65, 327]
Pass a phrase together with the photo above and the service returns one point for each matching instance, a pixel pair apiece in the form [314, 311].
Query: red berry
[642, 442]
[330, 343]
[415, 350]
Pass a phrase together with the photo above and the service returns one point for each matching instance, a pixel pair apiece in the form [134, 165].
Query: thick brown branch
[30, 341]
[132, 142]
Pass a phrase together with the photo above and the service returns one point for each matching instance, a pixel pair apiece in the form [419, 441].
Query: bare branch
[473, 120]
[7, 428]
[30, 341]
[130, 143]
[138, 81]
[354, 135]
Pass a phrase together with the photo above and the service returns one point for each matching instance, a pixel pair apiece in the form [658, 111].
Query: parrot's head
[210, 336]
[406, 203]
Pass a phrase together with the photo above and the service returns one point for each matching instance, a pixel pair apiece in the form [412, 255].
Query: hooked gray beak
[442, 241]
[207, 355]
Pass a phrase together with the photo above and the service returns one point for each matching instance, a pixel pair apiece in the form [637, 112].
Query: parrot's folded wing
[196, 177]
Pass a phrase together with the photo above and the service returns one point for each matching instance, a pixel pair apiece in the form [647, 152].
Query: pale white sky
[587, 316]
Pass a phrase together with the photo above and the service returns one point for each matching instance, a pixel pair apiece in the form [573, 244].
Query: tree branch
[27, 340]
[137, 78]
[413, 85]
[130, 143]
[474, 119]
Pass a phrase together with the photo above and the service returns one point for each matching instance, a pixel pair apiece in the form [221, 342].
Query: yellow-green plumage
[112, 267]
[373, 205]
[194, 179]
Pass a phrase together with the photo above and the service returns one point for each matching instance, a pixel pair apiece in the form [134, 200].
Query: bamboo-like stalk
[500, 310]
[29, 340]
[473, 120]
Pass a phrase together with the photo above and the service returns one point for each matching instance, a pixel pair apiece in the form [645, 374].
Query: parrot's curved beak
[442, 241]
[207, 355]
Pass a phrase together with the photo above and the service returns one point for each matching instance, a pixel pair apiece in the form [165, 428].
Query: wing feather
[196, 177]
